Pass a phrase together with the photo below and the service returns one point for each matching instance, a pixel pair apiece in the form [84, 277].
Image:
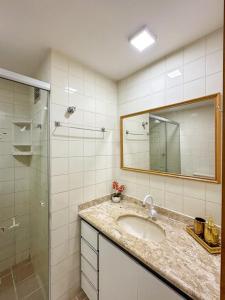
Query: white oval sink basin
[141, 228]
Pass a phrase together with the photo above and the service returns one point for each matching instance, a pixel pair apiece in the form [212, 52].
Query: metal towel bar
[132, 133]
[58, 124]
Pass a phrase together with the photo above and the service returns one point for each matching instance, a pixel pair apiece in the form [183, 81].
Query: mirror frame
[218, 134]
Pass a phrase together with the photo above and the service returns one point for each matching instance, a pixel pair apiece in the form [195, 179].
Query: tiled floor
[81, 296]
[20, 282]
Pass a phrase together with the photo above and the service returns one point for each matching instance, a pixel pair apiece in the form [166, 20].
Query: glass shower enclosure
[24, 191]
[164, 145]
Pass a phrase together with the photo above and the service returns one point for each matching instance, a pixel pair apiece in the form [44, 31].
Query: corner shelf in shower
[22, 153]
[21, 145]
[22, 137]
[22, 122]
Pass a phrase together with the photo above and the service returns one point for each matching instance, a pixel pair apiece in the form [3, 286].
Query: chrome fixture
[127, 132]
[144, 124]
[102, 130]
[58, 124]
[132, 133]
[71, 109]
[152, 212]
[14, 225]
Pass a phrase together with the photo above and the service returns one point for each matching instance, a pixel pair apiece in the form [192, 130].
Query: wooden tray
[210, 249]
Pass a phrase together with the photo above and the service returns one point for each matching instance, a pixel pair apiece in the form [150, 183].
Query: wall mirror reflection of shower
[181, 140]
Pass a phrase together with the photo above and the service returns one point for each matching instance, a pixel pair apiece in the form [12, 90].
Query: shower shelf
[22, 122]
[21, 145]
[22, 153]
[22, 137]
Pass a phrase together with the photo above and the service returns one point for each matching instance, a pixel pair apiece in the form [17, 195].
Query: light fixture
[174, 73]
[142, 39]
[70, 90]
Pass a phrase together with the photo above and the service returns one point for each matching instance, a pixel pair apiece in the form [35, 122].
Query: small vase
[116, 199]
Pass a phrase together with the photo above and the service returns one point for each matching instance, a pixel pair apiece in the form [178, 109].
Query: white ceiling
[96, 31]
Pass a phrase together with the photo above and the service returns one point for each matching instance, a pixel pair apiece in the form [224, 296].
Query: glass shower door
[164, 142]
[157, 139]
[173, 148]
[23, 191]
[39, 191]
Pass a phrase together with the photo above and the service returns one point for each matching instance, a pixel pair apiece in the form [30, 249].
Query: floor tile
[5, 272]
[38, 295]
[27, 286]
[6, 282]
[81, 296]
[22, 272]
[8, 294]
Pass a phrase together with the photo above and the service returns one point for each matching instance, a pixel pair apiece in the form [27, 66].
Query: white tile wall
[201, 67]
[82, 168]
[81, 162]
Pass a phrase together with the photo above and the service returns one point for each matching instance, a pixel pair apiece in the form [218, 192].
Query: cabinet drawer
[89, 234]
[89, 290]
[90, 272]
[89, 254]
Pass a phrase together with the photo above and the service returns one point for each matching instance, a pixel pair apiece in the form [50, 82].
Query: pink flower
[118, 188]
[115, 185]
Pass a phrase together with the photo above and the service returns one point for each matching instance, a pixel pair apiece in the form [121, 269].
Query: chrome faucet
[152, 212]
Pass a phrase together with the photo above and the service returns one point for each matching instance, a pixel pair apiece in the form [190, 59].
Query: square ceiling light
[174, 73]
[142, 39]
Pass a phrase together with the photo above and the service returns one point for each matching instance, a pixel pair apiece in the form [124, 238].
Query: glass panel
[157, 138]
[23, 190]
[164, 146]
[39, 190]
[173, 148]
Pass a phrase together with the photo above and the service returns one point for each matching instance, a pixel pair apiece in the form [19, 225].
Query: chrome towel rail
[132, 133]
[58, 124]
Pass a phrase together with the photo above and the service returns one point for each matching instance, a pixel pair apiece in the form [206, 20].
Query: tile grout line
[34, 291]
[40, 285]
[14, 285]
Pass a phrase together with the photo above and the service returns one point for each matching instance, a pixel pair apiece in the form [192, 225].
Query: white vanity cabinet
[89, 260]
[117, 273]
[152, 288]
[122, 278]
[108, 273]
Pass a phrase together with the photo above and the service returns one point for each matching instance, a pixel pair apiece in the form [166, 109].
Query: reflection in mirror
[180, 139]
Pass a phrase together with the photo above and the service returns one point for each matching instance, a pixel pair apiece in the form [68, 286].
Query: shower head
[144, 124]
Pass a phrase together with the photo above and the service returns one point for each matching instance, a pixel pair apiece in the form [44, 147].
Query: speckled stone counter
[178, 258]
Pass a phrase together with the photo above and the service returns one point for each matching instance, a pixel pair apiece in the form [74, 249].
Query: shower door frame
[35, 83]
[6, 74]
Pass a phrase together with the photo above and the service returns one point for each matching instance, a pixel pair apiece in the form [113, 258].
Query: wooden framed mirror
[179, 140]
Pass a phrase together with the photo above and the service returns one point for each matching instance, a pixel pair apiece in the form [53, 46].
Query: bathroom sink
[141, 228]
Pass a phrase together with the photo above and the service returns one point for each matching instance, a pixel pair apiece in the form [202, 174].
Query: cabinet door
[152, 288]
[117, 273]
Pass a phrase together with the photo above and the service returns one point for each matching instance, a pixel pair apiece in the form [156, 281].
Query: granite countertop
[178, 258]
